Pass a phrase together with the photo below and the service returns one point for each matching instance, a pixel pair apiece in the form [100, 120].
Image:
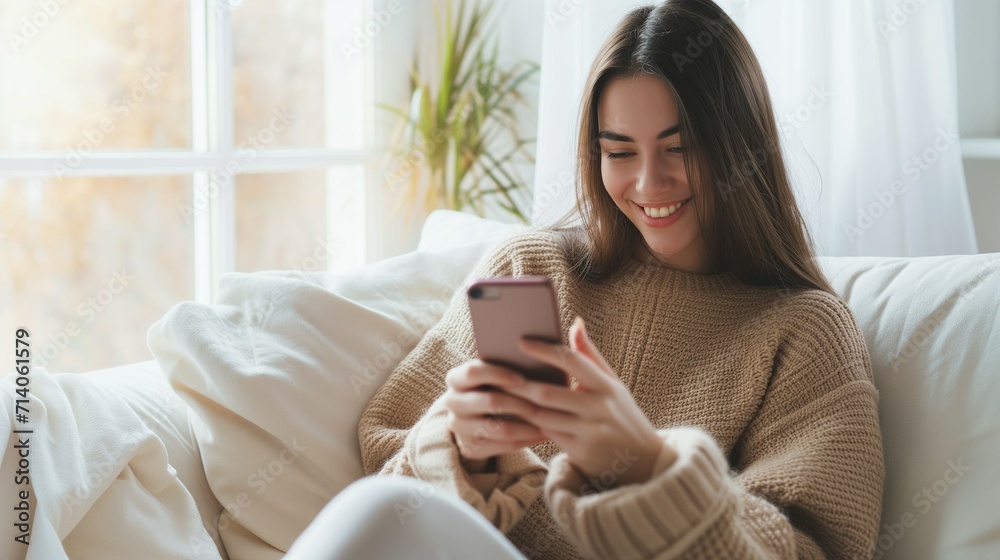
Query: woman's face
[642, 165]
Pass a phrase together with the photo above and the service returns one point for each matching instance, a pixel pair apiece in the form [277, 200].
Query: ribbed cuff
[641, 520]
[434, 457]
[484, 482]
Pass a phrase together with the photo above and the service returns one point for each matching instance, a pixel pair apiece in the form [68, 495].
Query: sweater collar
[635, 271]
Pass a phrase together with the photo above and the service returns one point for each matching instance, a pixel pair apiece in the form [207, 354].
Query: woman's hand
[484, 420]
[598, 424]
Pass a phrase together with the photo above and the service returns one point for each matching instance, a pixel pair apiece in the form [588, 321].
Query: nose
[656, 175]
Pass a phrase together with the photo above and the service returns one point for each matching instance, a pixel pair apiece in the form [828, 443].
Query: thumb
[580, 341]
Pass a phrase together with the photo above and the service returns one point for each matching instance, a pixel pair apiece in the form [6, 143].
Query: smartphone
[505, 309]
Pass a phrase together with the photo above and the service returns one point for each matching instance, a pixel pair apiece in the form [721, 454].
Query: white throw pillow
[278, 372]
[933, 334]
[446, 229]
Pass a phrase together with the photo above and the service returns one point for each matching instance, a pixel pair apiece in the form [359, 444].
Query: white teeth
[662, 212]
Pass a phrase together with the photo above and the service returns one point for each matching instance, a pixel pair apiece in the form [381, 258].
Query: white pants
[388, 517]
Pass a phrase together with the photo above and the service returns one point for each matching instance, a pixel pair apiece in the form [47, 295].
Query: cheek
[615, 180]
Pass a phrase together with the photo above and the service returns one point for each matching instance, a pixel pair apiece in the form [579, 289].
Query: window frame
[213, 147]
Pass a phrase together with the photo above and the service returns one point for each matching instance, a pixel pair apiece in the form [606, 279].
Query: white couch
[269, 382]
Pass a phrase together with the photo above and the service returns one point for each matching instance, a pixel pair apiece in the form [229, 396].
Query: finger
[557, 397]
[477, 373]
[553, 422]
[471, 403]
[580, 341]
[492, 449]
[576, 364]
[478, 430]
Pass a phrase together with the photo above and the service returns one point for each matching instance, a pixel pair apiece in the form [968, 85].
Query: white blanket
[99, 481]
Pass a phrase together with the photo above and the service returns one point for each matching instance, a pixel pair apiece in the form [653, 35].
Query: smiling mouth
[664, 211]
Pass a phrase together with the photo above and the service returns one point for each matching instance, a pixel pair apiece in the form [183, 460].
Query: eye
[676, 149]
[618, 155]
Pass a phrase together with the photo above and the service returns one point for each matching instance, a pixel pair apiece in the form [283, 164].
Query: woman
[723, 404]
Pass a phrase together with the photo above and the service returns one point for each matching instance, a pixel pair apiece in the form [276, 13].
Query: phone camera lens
[476, 293]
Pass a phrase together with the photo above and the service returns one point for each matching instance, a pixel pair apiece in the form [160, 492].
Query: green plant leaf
[466, 126]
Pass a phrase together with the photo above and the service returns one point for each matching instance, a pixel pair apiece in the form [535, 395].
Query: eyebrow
[608, 135]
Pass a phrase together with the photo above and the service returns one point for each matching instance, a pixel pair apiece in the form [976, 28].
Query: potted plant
[457, 143]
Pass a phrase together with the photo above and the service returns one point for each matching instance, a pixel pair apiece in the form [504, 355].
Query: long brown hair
[731, 149]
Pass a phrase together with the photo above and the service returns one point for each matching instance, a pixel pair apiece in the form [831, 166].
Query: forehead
[634, 105]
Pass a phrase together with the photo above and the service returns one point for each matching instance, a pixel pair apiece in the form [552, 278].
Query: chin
[667, 248]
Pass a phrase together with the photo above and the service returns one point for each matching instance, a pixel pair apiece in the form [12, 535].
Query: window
[149, 148]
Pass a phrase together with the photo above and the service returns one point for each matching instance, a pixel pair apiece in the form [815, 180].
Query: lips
[648, 215]
[663, 210]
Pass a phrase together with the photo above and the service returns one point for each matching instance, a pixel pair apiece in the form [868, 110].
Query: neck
[643, 254]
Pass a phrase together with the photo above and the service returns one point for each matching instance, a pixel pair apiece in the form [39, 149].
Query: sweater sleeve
[404, 428]
[807, 474]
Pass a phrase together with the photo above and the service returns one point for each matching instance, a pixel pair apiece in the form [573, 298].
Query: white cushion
[446, 229]
[933, 335]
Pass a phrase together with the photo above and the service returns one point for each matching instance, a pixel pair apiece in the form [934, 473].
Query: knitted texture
[766, 395]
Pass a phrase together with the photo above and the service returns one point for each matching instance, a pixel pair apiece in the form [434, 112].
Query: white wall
[977, 38]
[520, 37]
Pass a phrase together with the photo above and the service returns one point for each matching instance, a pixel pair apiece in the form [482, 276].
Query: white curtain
[865, 96]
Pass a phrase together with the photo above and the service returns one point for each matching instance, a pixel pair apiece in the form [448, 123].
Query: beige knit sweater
[766, 395]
